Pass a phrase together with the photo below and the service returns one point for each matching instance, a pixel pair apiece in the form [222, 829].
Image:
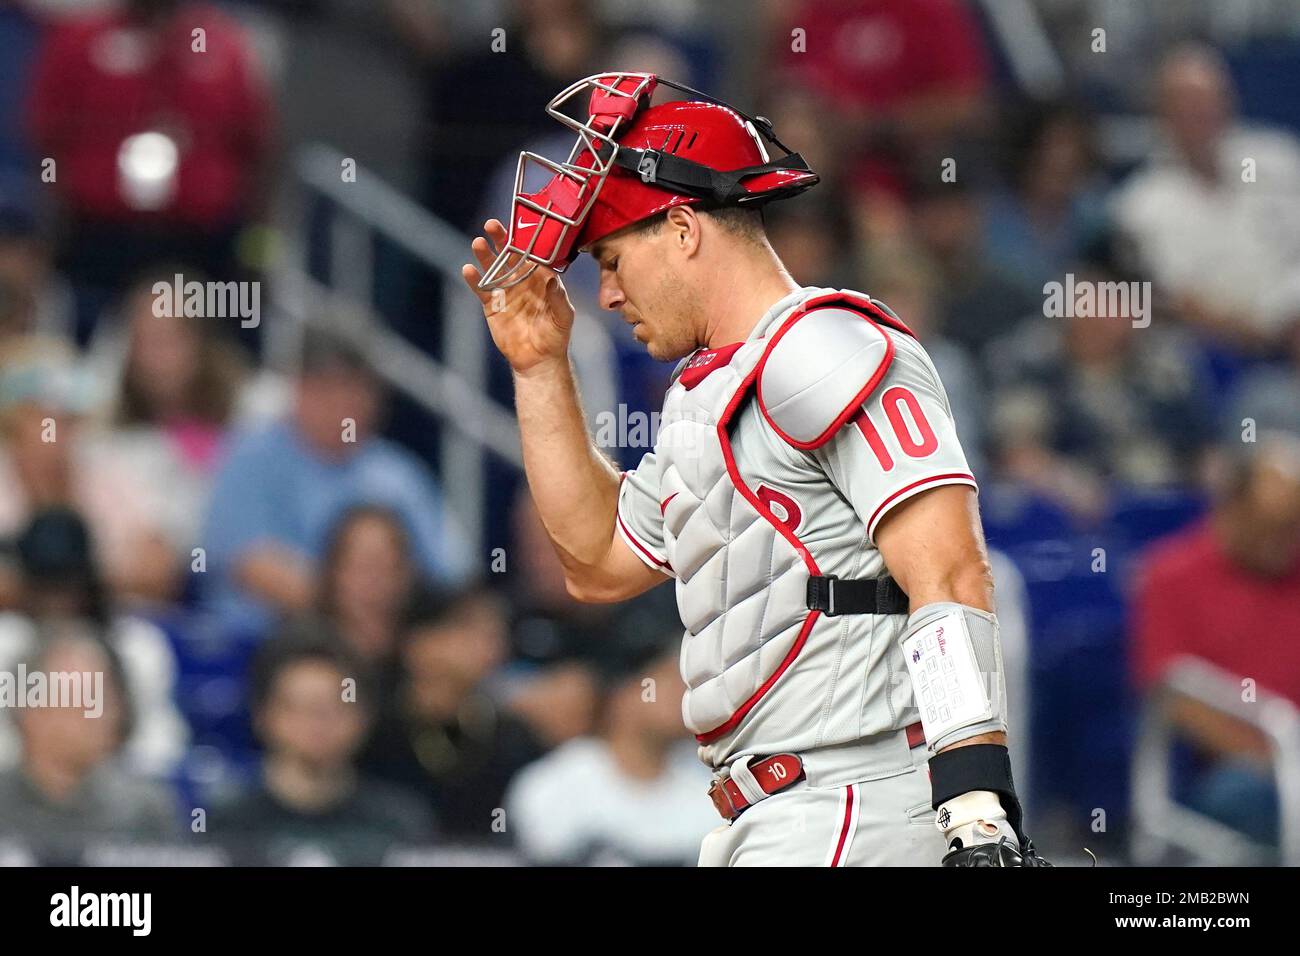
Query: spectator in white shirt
[59, 581]
[635, 793]
[1214, 215]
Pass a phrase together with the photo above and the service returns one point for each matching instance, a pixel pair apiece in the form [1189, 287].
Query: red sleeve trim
[951, 478]
[647, 554]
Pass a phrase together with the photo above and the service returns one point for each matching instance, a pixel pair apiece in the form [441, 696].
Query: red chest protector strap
[876, 311]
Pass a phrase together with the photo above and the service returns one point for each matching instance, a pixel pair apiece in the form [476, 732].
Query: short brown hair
[741, 222]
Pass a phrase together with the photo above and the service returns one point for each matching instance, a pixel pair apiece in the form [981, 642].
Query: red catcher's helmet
[633, 160]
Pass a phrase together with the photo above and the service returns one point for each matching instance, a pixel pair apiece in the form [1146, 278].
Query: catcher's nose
[611, 293]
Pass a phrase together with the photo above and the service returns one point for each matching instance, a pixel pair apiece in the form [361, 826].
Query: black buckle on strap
[834, 596]
[821, 594]
[647, 166]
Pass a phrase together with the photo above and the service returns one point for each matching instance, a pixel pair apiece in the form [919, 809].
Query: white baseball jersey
[777, 458]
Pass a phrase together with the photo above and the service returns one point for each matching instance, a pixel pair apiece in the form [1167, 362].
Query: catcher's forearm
[995, 737]
[574, 486]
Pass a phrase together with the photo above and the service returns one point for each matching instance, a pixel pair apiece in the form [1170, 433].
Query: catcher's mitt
[1003, 853]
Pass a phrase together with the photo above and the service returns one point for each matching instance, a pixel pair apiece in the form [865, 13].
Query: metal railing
[1021, 34]
[438, 389]
[1161, 823]
[454, 389]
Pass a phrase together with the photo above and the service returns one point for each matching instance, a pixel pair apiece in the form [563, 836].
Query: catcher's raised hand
[531, 321]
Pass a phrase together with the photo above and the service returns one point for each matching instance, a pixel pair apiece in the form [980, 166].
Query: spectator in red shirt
[902, 76]
[158, 132]
[1228, 590]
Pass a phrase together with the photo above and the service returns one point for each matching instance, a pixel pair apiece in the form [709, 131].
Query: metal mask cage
[601, 147]
[504, 272]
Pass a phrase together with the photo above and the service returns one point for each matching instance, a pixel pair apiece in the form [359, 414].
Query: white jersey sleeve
[640, 518]
[900, 442]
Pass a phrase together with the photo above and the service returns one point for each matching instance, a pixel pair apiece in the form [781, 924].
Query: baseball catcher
[806, 492]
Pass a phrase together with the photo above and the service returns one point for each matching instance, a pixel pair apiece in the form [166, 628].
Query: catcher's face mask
[631, 161]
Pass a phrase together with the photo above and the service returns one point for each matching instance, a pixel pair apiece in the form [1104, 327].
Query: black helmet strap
[723, 187]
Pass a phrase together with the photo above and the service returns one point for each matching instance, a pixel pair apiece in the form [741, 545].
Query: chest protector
[742, 573]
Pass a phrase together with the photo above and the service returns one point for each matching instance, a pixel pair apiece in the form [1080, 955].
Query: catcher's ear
[683, 224]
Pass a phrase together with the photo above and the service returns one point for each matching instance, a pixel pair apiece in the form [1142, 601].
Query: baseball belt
[773, 775]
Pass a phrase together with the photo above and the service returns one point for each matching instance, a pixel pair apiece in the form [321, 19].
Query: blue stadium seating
[1079, 583]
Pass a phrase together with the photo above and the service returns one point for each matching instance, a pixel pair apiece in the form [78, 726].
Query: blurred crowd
[306, 658]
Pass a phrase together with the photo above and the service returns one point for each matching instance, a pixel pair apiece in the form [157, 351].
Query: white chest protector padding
[818, 372]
